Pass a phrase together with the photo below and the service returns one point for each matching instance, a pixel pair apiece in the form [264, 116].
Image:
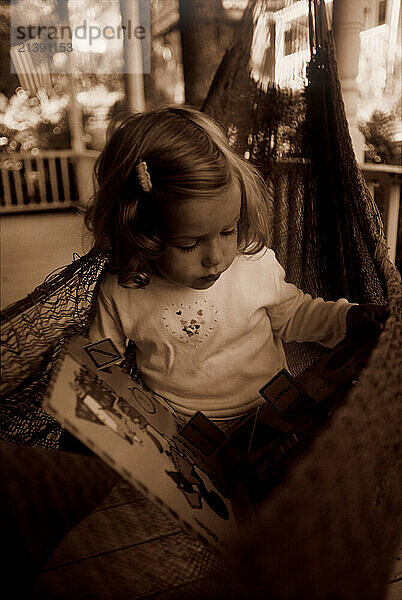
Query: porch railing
[48, 180]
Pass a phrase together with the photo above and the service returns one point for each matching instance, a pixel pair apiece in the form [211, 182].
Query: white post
[83, 168]
[392, 218]
[75, 115]
[347, 25]
[133, 58]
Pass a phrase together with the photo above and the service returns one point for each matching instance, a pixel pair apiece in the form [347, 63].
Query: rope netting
[325, 228]
[33, 331]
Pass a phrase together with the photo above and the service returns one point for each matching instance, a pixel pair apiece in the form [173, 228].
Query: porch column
[133, 58]
[347, 24]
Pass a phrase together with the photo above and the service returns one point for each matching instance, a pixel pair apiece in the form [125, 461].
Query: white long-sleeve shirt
[213, 350]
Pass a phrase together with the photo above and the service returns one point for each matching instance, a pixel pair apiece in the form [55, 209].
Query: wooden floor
[33, 245]
[129, 549]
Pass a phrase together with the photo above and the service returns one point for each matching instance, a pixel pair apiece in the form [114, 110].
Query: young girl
[191, 279]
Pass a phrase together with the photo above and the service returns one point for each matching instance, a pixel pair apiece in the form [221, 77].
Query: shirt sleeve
[107, 324]
[296, 316]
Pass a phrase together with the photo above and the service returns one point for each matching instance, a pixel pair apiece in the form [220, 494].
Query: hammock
[332, 529]
[326, 229]
[327, 233]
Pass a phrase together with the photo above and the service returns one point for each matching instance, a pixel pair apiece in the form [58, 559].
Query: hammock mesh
[327, 234]
[32, 333]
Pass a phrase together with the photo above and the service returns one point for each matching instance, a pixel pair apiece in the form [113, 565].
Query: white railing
[48, 180]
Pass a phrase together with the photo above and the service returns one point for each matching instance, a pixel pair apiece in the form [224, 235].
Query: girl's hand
[365, 320]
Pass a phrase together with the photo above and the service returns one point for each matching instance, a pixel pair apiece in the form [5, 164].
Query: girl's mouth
[211, 277]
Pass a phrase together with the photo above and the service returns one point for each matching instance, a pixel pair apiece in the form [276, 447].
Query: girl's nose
[213, 255]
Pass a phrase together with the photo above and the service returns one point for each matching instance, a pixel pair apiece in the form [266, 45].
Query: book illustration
[192, 486]
[103, 353]
[119, 424]
[96, 402]
[144, 400]
[129, 412]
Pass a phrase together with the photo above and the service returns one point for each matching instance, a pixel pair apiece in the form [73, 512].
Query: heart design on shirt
[191, 328]
[191, 322]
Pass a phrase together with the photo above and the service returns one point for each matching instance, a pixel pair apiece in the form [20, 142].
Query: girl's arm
[107, 324]
[296, 316]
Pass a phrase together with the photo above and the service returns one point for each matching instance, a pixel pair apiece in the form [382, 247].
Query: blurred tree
[165, 83]
[205, 35]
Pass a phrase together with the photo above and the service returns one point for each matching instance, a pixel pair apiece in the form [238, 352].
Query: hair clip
[143, 176]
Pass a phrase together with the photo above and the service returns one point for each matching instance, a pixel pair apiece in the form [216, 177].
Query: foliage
[27, 123]
[378, 132]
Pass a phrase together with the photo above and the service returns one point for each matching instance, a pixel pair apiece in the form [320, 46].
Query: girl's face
[201, 239]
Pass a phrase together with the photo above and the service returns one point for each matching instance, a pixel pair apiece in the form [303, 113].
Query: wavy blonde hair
[188, 156]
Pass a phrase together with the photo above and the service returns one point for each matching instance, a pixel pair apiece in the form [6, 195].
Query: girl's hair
[188, 156]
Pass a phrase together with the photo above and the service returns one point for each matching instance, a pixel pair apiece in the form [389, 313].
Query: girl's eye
[230, 232]
[188, 248]
[194, 246]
